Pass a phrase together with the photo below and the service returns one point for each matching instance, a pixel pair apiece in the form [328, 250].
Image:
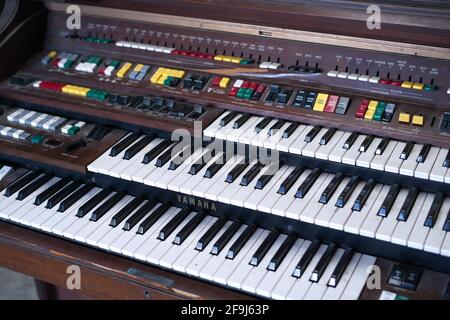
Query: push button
[418, 120]
[404, 117]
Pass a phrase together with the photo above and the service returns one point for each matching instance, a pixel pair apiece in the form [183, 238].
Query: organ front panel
[175, 153]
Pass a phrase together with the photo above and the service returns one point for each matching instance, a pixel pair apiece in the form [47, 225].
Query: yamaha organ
[227, 149]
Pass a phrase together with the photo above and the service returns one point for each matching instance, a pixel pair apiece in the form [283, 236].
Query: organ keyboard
[228, 163]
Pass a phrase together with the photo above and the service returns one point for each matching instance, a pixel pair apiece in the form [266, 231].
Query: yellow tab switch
[404, 117]
[407, 84]
[224, 82]
[418, 86]
[418, 120]
[121, 73]
[321, 101]
[372, 105]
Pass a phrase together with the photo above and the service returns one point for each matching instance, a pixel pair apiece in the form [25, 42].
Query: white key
[139, 246]
[325, 151]
[245, 191]
[299, 143]
[338, 151]
[438, 171]
[358, 279]
[373, 220]
[238, 276]
[103, 160]
[213, 127]
[404, 228]
[266, 204]
[233, 188]
[189, 243]
[247, 136]
[271, 279]
[297, 207]
[379, 161]
[229, 265]
[236, 133]
[394, 163]
[353, 153]
[282, 288]
[219, 184]
[280, 207]
[409, 165]
[420, 232]
[445, 250]
[215, 261]
[389, 223]
[314, 206]
[223, 131]
[327, 211]
[366, 158]
[257, 273]
[447, 177]
[423, 170]
[341, 215]
[373, 203]
[273, 140]
[258, 195]
[336, 292]
[437, 235]
[302, 285]
[317, 290]
[259, 139]
[162, 247]
[285, 143]
[309, 150]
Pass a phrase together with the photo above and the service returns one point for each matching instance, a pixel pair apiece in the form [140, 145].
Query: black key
[308, 183]
[177, 160]
[196, 167]
[306, 259]
[323, 263]
[125, 211]
[152, 154]
[389, 201]
[74, 197]
[340, 268]
[331, 188]
[241, 121]
[137, 147]
[290, 130]
[210, 234]
[447, 160]
[165, 157]
[363, 195]
[347, 192]
[93, 202]
[312, 134]
[423, 153]
[170, 226]
[225, 237]
[118, 148]
[264, 247]
[43, 196]
[106, 206]
[408, 204]
[240, 242]
[282, 252]
[139, 215]
[251, 174]
[152, 218]
[446, 226]
[213, 168]
[16, 186]
[189, 228]
[327, 136]
[350, 140]
[262, 124]
[287, 184]
[62, 194]
[366, 143]
[406, 150]
[225, 120]
[434, 210]
[277, 126]
[382, 146]
[32, 187]
[264, 179]
[236, 171]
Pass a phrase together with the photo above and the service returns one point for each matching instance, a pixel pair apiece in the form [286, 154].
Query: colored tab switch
[321, 101]
[418, 120]
[404, 117]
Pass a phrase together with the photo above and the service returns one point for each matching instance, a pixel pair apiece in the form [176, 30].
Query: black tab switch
[397, 275]
[411, 280]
